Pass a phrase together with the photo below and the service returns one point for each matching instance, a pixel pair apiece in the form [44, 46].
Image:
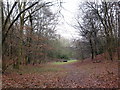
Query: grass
[62, 63]
[28, 69]
[35, 69]
[53, 67]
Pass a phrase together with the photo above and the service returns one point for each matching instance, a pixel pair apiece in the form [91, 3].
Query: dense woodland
[35, 55]
[29, 32]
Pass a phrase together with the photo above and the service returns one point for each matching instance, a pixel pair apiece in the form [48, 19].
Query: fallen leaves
[86, 75]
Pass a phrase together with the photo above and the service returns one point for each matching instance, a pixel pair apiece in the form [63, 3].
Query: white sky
[69, 11]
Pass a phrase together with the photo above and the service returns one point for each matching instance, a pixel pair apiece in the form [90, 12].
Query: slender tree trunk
[29, 56]
[118, 50]
[91, 46]
[20, 56]
[110, 47]
[95, 43]
[1, 11]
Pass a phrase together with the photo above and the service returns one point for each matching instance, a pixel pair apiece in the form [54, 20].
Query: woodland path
[72, 75]
[90, 75]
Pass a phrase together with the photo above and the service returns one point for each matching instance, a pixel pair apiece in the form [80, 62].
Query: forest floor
[73, 74]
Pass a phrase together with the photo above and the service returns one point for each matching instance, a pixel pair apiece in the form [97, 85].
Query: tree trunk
[110, 47]
[118, 48]
[20, 56]
[91, 46]
[29, 40]
[1, 12]
[95, 43]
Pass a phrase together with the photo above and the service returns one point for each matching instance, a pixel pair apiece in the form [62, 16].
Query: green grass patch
[35, 69]
[27, 69]
[62, 63]
[51, 67]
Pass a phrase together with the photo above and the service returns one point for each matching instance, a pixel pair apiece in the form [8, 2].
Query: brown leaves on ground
[84, 74]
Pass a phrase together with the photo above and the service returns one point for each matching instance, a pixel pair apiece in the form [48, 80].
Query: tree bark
[92, 50]
[1, 13]
[118, 49]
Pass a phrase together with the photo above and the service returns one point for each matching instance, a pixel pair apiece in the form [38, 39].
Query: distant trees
[82, 49]
[62, 49]
[100, 27]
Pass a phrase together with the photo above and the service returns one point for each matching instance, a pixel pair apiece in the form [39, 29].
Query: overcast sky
[69, 11]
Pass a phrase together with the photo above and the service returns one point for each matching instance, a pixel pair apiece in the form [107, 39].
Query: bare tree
[99, 21]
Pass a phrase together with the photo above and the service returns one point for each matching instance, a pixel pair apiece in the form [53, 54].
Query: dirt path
[73, 75]
[91, 75]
